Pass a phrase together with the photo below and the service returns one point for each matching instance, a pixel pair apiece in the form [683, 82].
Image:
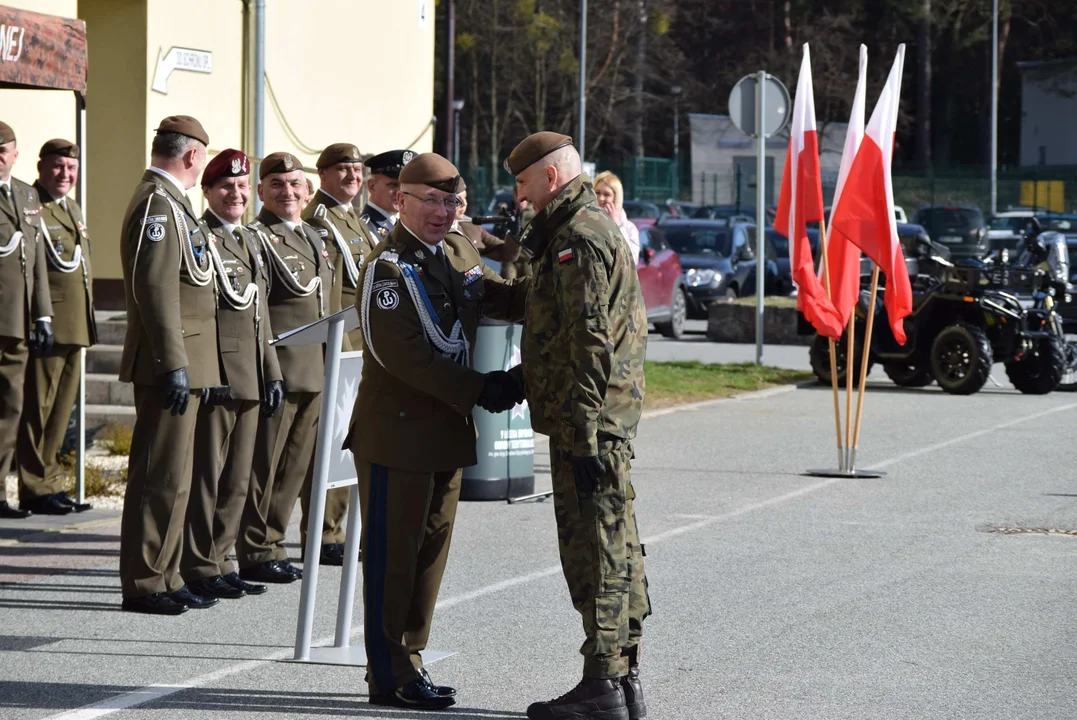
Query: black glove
[177, 390]
[274, 397]
[42, 337]
[587, 471]
[499, 393]
[216, 395]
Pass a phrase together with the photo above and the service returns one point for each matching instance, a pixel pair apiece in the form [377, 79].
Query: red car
[662, 282]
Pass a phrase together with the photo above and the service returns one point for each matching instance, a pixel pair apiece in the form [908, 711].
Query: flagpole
[850, 359]
[833, 345]
[864, 365]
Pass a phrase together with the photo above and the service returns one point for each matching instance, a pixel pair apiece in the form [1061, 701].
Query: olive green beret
[184, 125]
[533, 148]
[7, 135]
[59, 146]
[338, 153]
[278, 162]
[433, 170]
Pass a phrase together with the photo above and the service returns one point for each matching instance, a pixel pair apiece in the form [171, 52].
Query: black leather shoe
[442, 690]
[215, 587]
[633, 690]
[9, 513]
[332, 554]
[238, 583]
[46, 505]
[414, 696]
[184, 596]
[296, 572]
[156, 604]
[599, 699]
[76, 506]
[268, 572]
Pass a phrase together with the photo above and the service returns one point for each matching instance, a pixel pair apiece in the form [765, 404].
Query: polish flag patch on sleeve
[564, 256]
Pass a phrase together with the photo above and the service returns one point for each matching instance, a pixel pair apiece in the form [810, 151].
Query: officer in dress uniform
[300, 280]
[25, 305]
[503, 250]
[330, 213]
[52, 379]
[226, 431]
[170, 353]
[382, 208]
[422, 293]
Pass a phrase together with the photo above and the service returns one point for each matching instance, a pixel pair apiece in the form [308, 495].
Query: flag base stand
[356, 656]
[836, 473]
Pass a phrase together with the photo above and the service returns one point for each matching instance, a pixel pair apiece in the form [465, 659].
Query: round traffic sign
[743, 101]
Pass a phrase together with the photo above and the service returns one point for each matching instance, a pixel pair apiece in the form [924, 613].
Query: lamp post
[994, 108]
[457, 106]
[581, 110]
[675, 91]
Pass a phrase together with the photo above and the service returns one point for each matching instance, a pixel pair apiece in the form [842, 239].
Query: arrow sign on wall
[177, 58]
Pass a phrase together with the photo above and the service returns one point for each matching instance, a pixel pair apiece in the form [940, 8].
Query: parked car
[778, 250]
[732, 214]
[960, 228]
[662, 282]
[718, 260]
[643, 213]
[502, 199]
[680, 209]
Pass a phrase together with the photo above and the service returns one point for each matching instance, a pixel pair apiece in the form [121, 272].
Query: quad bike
[964, 319]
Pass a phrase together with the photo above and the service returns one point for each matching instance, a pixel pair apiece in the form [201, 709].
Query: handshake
[500, 393]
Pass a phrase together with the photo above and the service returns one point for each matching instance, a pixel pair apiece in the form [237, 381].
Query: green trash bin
[506, 442]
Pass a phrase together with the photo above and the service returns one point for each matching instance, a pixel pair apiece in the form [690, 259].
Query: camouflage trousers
[602, 559]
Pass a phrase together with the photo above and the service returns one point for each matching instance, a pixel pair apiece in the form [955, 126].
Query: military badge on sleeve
[564, 256]
[155, 231]
[388, 299]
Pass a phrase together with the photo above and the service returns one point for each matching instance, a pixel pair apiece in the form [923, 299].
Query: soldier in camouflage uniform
[585, 337]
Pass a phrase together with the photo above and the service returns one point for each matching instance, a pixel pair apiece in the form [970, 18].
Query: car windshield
[952, 219]
[640, 210]
[1060, 224]
[1008, 223]
[700, 241]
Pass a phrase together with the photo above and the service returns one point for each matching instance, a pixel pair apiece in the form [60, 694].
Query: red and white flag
[864, 215]
[801, 202]
[842, 256]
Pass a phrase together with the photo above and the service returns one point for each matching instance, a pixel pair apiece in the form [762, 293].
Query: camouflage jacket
[585, 326]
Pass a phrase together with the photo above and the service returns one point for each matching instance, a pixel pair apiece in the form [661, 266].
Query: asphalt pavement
[776, 595]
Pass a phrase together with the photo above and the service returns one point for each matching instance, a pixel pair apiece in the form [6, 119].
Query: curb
[748, 396]
[43, 534]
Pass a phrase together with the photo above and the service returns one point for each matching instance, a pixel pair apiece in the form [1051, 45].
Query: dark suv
[962, 229]
[718, 260]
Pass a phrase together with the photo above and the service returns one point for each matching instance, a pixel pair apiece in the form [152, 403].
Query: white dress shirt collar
[391, 216]
[431, 248]
[170, 178]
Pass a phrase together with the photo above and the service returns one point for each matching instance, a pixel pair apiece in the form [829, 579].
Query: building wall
[38, 115]
[1048, 106]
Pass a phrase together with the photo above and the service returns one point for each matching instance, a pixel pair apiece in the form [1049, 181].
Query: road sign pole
[760, 209]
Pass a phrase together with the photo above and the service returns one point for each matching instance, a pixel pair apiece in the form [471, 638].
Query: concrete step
[104, 359]
[101, 415]
[105, 389]
[111, 332]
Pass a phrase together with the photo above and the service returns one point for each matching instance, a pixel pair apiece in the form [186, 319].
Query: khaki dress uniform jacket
[300, 279]
[171, 324]
[412, 431]
[52, 380]
[225, 435]
[24, 297]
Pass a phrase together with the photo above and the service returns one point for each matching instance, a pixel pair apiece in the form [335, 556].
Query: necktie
[440, 255]
[7, 191]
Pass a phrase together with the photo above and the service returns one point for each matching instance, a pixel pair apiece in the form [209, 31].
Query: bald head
[540, 183]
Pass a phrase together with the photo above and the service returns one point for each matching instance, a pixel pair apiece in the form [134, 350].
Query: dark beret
[533, 148]
[278, 162]
[7, 135]
[433, 170]
[338, 153]
[390, 163]
[229, 163]
[59, 146]
[184, 125]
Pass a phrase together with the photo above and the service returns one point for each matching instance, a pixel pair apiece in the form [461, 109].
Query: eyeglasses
[430, 203]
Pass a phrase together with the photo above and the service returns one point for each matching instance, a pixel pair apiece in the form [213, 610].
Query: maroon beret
[228, 163]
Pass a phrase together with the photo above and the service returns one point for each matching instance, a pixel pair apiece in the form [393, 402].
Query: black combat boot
[597, 699]
[633, 690]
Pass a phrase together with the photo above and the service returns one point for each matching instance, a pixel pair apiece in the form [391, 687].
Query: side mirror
[648, 255]
[743, 253]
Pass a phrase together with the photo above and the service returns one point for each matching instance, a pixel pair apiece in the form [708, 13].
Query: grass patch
[673, 383]
[116, 439]
[769, 301]
[100, 481]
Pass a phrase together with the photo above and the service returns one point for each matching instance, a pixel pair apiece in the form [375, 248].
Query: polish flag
[864, 215]
[801, 202]
[842, 256]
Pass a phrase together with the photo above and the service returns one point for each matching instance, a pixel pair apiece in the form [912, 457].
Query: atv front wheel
[909, 374]
[1069, 377]
[961, 359]
[819, 355]
[1040, 371]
